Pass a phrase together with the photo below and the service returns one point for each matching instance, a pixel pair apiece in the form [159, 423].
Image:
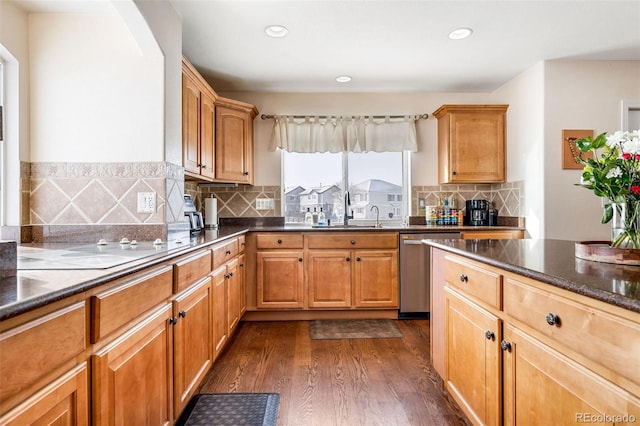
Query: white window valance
[344, 134]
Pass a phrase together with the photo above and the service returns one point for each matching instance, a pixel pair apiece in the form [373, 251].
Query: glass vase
[625, 226]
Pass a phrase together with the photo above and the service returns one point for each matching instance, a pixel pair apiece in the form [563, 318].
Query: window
[357, 181]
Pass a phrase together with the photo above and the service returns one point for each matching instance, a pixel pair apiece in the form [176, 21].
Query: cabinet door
[472, 359]
[542, 386]
[477, 147]
[64, 402]
[219, 303]
[233, 295]
[329, 278]
[242, 283]
[280, 279]
[132, 376]
[192, 343]
[207, 136]
[190, 125]
[234, 145]
[376, 279]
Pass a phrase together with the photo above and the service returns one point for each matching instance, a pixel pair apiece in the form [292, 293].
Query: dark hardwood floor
[336, 382]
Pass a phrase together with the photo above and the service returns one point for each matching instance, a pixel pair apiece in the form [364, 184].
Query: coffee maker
[194, 217]
[477, 213]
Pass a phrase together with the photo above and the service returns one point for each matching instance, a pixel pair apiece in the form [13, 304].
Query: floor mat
[354, 329]
[231, 409]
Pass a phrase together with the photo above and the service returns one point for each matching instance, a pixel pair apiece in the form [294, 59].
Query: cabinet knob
[279, 241]
[198, 165]
[353, 241]
[464, 278]
[358, 259]
[246, 173]
[228, 252]
[173, 320]
[454, 173]
[227, 276]
[553, 319]
[506, 346]
[348, 259]
[182, 314]
[489, 335]
[230, 274]
[241, 265]
[204, 166]
[299, 259]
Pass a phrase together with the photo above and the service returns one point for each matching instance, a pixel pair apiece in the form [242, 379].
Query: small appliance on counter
[477, 213]
[196, 223]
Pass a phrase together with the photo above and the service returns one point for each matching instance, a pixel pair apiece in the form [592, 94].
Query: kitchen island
[523, 332]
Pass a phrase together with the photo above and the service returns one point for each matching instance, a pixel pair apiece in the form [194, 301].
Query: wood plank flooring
[336, 382]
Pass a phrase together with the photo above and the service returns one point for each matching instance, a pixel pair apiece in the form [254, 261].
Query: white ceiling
[390, 45]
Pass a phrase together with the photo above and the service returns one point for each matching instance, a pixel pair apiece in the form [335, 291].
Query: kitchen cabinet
[494, 234]
[279, 271]
[472, 364]
[132, 376]
[555, 355]
[329, 278]
[471, 143]
[234, 298]
[198, 124]
[192, 340]
[375, 278]
[220, 319]
[234, 141]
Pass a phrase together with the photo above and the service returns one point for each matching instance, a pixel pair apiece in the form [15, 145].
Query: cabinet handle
[489, 335]
[348, 259]
[506, 346]
[353, 241]
[173, 320]
[246, 173]
[228, 252]
[279, 241]
[198, 165]
[553, 319]
[241, 265]
[464, 278]
[227, 276]
[299, 259]
[358, 259]
[182, 314]
[230, 274]
[204, 166]
[454, 173]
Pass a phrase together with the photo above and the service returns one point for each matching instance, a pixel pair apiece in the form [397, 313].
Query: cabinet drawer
[286, 240]
[114, 308]
[607, 339]
[190, 269]
[373, 240]
[493, 235]
[471, 278]
[223, 252]
[34, 349]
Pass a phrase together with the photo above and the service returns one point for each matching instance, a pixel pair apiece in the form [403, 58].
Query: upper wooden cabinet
[198, 124]
[471, 143]
[234, 141]
[217, 133]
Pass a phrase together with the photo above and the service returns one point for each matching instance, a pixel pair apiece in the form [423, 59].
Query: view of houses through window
[343, 182]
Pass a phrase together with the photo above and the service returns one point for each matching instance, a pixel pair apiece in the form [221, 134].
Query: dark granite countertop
[553, 262]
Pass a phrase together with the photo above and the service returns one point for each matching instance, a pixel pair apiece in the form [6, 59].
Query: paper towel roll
[211, 212]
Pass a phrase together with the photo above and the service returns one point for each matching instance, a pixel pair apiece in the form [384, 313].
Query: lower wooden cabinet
[132, 376]
[472, 358]
[280, 279]
[192, 341]
[219, 303]
[64, 402]
[543, 386]
[329, 278]
[375, 278]
[234, 295]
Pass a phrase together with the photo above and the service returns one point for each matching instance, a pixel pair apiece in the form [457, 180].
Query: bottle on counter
[315, 216]
[460, 217]
[308, 218]
[446, 213]
[322, 219]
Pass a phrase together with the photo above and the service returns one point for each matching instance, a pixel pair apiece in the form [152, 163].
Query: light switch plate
[265, 203]
[146, 202]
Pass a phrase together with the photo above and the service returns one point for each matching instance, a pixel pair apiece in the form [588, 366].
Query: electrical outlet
[265, 203]
[421, 203]
[146, 202]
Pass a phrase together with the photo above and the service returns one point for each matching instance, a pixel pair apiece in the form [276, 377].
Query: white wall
[94, 96]
[14, 51]
[580, 95]
[525, 141]
[424, 163]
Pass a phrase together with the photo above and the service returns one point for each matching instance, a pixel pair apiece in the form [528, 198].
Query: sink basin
[363, 226]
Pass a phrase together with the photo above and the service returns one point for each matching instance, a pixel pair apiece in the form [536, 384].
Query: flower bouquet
[614, 174]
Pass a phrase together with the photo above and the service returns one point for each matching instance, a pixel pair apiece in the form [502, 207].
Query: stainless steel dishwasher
[414, 273]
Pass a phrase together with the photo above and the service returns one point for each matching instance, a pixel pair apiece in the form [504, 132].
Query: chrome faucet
[347, 203]
[378, 224]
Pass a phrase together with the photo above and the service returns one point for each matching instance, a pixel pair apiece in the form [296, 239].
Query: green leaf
[607, 215]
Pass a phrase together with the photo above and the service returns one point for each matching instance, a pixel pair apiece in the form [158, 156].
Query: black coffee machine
[477, 213]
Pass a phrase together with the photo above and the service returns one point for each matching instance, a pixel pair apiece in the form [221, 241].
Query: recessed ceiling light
[460, 33]
[343, 79]
[276, 31]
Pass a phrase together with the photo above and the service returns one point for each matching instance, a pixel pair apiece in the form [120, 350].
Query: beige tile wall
[237, 201]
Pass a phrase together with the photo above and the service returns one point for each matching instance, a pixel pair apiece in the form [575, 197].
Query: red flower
[635, 189]
[637, 157]
[626, 156]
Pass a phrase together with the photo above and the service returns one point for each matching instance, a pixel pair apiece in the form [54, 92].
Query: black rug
[231, 409]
